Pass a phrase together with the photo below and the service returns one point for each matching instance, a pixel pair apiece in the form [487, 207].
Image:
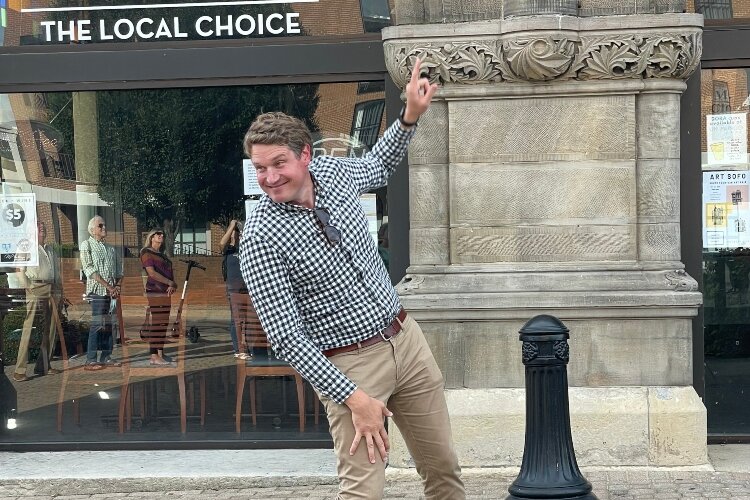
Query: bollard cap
[545, 326]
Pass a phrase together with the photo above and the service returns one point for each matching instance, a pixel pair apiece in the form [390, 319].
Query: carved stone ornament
[551, 57]
[680, 281]
[410, 284]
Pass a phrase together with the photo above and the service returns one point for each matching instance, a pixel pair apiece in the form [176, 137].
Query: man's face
[281, 175]
[100, 229]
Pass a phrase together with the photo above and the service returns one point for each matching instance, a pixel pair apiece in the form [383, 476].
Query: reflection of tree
[171, 156]
[738, 264]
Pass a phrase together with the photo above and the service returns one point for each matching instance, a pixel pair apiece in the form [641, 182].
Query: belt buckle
[388, 339]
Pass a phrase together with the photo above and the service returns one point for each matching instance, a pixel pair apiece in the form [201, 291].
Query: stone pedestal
[545, 180]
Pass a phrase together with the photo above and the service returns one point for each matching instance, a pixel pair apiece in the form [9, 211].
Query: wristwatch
[404, 122]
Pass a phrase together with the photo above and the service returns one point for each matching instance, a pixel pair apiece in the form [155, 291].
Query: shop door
[726, 249]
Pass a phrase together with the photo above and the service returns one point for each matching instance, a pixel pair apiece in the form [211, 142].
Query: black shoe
[166, 358]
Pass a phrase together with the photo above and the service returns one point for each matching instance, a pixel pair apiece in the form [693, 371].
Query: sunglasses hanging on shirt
[332, 233]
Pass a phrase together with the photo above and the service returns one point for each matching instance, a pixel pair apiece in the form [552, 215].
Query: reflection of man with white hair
[103, 269]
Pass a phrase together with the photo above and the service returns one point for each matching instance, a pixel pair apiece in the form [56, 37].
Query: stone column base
[611, 426]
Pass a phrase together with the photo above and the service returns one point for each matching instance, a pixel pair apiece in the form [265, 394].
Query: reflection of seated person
[160, 286]
[39, 282]
[232, 276]
[383, 244]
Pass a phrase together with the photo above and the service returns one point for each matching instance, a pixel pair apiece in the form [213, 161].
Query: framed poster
[726, 213]
[726, 137]
[18, 230]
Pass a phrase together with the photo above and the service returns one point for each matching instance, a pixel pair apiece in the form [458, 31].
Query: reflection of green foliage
[726, 284]
[12, 325]
[170, 156]
[65, 249]
[61, 117]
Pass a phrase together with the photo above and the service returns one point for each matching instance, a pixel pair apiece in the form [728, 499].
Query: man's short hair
[93, 223]
[277, 129]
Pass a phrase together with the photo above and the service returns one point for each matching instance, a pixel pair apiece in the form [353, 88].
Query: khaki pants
[403, 374]
[37, 296]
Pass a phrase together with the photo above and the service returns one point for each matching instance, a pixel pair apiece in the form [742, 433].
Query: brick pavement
[481, 484]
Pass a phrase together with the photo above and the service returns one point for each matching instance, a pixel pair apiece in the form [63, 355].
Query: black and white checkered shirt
[309, 294]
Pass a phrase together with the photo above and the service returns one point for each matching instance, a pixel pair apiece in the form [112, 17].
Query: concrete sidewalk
[296, 474]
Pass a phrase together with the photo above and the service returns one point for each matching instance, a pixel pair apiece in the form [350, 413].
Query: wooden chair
[77, 376]
[143, 370]
[262, 363]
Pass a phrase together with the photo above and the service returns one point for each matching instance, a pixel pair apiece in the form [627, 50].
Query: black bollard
[549, 469]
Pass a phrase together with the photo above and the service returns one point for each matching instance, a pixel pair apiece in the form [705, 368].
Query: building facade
[559, 171]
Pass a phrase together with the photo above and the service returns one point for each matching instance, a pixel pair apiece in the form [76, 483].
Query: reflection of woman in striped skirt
[160, 286]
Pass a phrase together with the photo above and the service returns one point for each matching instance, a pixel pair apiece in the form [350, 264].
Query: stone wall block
[408, 12]
[610, 427]
[543, 129]
[429, 245]
[447, 344]
[430, 144]
[659, 241]
[603, 352]
[677, 427]
[540, 7]
[542, 243]
[658, 187]
[590, 8]
[445, 11]
[658, 118]
[428, 203]
[455, 11]
[493, 355]
[642, 351]
[549, 192]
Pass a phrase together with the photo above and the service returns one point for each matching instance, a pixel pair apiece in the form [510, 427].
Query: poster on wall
[369, 205]
[726, 212]
[726, 136]
[250, 177]
[18, 230]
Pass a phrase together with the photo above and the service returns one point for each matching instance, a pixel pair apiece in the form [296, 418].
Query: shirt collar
[318, 190]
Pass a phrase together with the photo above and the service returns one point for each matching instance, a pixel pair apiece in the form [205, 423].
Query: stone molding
[544, 55]
[680, 281]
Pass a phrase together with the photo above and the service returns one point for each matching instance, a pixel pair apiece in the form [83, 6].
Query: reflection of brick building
[718, 9]
[722, 91]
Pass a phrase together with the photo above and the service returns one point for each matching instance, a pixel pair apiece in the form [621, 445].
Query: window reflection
[726, 242]
[145, 165]
[714, 9]
[720, 11]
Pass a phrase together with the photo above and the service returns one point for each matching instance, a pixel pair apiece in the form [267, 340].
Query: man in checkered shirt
[328, 307]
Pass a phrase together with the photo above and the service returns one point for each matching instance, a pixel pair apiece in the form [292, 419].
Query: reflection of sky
[6, 113]
[3, 21]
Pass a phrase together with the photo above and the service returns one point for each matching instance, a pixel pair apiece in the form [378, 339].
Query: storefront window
[132, 167]
[721, 11]
[726, 247]
[53, 22]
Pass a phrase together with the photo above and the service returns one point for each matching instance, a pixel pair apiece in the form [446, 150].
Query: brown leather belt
[388, 333]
